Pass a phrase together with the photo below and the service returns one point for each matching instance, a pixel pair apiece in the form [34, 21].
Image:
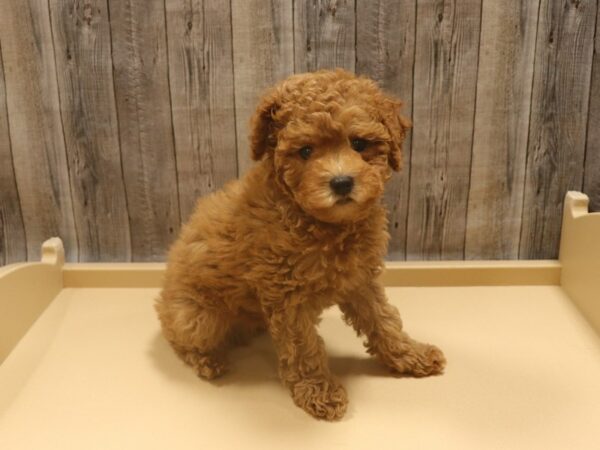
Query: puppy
[305, 229]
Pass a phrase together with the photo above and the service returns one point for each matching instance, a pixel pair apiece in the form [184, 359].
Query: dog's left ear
[397, 126]
[262, 128]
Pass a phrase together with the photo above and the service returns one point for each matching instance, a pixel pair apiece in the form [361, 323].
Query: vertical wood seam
[355, 37]
[235, 121]
[12, 160]
[119, 130]
[294, 35]
[414, 58]
[587, 125]
[171, 111]
[535, 60]
[62, 129]
[464, 256]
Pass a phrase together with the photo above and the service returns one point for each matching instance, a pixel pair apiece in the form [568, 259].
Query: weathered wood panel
[559, 111]
[263, 53]
[201, 83]
[591, 180]
[324, 35]
[504, 84]
[146, 133]
[81, 33]
[12, 232]
[37, 139]
[447, 47]
[385, 51]
[115, 115]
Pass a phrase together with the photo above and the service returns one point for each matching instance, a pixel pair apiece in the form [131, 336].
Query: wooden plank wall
[12, 232]
[591, 177]
[202, 99]
[445, 82]
[89, 119]
[115, 115]
[263, 53]
[36, 134]
[504, 83]
[558, 118]
[385, 51]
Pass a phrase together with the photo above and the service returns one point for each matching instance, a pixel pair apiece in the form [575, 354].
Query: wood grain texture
[146, 133]
[557, 125]
[116, 115]
[504, 83]
[12, 232]
[447, 47]
[324, 35]
[263, 54]
[81, 33]
[201, 83]
[38, 146]
[385, 51]
[591, 179]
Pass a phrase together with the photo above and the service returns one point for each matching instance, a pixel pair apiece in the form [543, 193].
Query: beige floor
[523, 373]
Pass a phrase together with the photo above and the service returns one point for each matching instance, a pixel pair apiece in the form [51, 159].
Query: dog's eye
[359, 144]
[305, 152]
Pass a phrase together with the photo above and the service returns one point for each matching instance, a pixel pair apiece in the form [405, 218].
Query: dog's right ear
[262, 129]
[397, 126]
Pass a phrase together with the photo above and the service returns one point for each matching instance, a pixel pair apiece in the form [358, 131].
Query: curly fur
[272, 250]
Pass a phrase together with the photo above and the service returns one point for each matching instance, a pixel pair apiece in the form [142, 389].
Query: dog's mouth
[344, 201]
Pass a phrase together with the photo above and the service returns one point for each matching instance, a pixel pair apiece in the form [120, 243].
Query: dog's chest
[335, 265]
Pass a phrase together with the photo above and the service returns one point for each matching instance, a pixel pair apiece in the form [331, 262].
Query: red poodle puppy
[305, 229]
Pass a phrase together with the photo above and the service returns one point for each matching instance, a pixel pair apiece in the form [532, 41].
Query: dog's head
[333, 140]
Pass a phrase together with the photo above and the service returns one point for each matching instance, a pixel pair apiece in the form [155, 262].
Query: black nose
[342, 185]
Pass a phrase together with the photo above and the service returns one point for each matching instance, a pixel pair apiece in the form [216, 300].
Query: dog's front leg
[369, 312]
[303, 362]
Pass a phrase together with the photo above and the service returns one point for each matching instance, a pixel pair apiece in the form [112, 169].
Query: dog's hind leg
[197, 334]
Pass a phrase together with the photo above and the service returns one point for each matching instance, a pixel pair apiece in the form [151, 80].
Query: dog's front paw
[322, 398]
[420, 360]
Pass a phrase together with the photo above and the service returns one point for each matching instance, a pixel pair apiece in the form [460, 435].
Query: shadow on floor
[256, 363]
